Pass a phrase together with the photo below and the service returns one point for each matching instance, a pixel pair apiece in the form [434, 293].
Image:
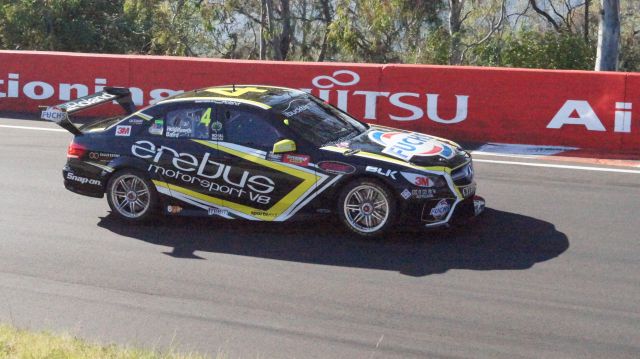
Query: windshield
[318, 122]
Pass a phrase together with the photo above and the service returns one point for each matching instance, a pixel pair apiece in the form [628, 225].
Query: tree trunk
[263, 23]
[326, 12]
[455, 23]
[285, 36]
[586, 21]
[608, 36]
[273, 39]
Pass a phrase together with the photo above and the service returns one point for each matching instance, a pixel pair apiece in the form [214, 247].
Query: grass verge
[18, 343]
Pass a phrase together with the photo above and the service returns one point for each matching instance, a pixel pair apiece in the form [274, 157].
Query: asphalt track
[552, 269]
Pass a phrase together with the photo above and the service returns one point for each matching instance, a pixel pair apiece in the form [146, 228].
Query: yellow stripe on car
[220, 99]
[309, 180]
[232, 92]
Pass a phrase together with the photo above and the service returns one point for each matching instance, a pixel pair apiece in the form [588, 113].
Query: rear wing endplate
[60, 113]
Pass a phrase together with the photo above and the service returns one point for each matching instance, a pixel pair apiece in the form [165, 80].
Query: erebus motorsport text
[206, 173]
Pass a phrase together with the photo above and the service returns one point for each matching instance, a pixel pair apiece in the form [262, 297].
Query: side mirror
[284, 146]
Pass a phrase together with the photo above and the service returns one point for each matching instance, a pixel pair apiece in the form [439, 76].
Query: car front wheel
[131, 196]
[367, 208]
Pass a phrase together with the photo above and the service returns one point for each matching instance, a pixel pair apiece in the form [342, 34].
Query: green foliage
[382, 31]
[63, 25]
[436, 48]
[407, 31]
[533, 49]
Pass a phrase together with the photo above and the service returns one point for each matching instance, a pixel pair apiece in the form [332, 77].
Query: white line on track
[511, 155]
[546, 165]
[34, 128]
[568, 167]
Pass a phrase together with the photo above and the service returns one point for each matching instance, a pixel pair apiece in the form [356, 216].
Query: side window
[189, 121]
[249, 128]
[152, 119]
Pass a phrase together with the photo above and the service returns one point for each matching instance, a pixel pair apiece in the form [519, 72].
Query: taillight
[75, 150]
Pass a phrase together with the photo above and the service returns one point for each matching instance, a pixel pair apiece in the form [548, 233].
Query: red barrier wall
[564, 108]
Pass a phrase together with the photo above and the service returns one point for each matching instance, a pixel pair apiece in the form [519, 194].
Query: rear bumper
[81, 184]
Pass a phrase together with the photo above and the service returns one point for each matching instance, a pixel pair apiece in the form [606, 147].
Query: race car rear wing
[60, 113]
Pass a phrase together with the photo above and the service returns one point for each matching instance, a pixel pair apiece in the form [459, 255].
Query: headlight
[424, 180]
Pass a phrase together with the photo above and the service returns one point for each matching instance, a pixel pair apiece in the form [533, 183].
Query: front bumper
[440, 212]
[466, 209]
[459, 213]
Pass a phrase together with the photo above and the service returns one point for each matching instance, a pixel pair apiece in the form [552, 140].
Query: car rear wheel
[367, 208]
[131, 196]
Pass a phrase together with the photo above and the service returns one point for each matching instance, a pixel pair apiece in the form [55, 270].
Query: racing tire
[132, 196]
[367, 208]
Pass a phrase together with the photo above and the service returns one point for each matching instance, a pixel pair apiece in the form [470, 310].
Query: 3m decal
[405, 145]
[123, 130]
[418, 179]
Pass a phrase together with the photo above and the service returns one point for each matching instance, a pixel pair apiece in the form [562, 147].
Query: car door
[183, 153]
[268, 186]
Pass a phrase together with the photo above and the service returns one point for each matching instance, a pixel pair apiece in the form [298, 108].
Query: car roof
[260, 96]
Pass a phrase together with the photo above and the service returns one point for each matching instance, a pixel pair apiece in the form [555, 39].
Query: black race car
[263, 153]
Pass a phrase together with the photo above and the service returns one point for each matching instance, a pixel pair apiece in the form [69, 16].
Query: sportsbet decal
[405, 145]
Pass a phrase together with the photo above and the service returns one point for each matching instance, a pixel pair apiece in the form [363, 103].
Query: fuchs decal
[405, 145]
[53, 114]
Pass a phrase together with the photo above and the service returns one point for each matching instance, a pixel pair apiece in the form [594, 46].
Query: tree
[382, 31]
[608, 36]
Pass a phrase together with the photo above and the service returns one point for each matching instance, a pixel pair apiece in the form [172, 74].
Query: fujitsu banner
[567, 108]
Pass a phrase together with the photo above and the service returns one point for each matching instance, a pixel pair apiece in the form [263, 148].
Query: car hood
[410, 147]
